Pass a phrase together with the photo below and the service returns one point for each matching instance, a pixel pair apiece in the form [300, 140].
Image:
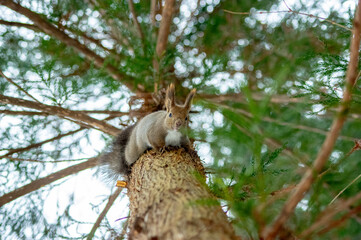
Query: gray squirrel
[156, 130]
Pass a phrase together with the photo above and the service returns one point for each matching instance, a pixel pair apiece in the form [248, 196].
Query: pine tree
[275, 119]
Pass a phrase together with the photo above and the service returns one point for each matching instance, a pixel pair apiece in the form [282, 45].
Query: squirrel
[156, 130]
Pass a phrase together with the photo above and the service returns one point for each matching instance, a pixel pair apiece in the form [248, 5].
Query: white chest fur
[173, 138]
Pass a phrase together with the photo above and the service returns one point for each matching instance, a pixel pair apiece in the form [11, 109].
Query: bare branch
[50, 29]
[327, 147]
[164, 27]
[104, 212]
[153, 5]
[18, 24]
[36, 145]
[63, 113]
[41, 182]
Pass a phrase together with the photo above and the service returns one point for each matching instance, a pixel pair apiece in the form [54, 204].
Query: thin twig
[329, 213]
[18, 86]
[352, 182]
[36, 145]
[338, 222]
[135, 20]
[41, 161]
[328, 145]
[104, 212]
[290, 11]
[18, 24]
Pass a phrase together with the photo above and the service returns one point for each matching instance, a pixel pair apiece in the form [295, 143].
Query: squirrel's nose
[178, 123]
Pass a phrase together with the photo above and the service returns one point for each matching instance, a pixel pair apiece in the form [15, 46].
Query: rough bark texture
[170, 200]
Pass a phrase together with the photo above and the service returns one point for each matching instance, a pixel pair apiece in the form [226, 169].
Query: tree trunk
[170, 200]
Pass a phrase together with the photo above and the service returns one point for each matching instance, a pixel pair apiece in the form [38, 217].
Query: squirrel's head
[177, 115]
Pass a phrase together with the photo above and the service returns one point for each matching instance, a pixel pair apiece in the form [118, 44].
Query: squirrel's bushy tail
[114, 158]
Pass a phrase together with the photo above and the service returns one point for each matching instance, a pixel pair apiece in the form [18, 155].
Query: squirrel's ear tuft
[188, 102]
[169, 98]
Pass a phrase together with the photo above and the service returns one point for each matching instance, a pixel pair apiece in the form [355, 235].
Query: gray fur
[151, 132]
[115, 158]
[155, 130]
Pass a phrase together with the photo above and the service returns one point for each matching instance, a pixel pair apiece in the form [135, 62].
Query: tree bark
[169, 199]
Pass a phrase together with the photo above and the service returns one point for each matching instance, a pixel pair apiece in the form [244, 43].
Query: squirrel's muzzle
[178, 123]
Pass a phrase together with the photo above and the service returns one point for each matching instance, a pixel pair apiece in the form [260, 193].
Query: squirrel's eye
[170, 114]
[186, 118]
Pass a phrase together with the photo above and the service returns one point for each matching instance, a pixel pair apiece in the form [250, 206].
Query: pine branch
[51, 30]
[18, 24]
[110, 202]
[328, 145]
[39, 183]
[39, 144]
[32, 113]
[62, 112]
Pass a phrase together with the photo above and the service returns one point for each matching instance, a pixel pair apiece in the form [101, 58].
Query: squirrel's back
[151, 126]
